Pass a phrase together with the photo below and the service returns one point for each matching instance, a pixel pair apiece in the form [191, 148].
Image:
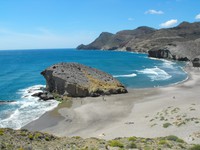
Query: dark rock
[43, 95]
[113, 48]
[37, 94]
[196, 62]
[128, 49]
[183, 59]
[76, 80]
[160, 53]
[6, 102]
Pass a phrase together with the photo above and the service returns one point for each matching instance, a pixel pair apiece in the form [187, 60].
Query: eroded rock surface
[77, 80]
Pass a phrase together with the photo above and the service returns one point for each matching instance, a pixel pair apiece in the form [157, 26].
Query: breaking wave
[155, 74]
[29, 108]
[125, 75]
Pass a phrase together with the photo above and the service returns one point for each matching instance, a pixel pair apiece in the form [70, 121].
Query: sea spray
[155, 73]
[29, 108]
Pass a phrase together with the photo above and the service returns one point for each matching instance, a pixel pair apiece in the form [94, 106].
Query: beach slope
[152, 112]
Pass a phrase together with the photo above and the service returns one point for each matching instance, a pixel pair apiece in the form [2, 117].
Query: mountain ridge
[182, 40]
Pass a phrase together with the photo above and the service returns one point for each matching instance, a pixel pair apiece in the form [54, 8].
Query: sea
[20, 77]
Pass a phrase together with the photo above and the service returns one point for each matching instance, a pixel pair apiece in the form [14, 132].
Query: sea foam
[155, 73]
[125, 75]
[29, 108]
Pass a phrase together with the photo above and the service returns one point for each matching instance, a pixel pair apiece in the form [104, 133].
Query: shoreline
[131, 114]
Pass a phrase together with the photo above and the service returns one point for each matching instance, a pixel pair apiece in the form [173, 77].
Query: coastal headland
[152, 112]
[179, 43]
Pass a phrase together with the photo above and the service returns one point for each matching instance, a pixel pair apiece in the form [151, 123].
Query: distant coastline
[182, 41]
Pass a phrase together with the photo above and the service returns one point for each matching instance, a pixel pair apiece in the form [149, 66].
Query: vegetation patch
[115, 143]
[131, 145]
[166, 125]
[24, 139]
[133, 138]
[195, 147]
[174, 116]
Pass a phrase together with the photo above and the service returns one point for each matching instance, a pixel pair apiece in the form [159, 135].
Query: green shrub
[162, 118]
[180, 141]
[38, 135]
[77, 137]
[147, 148]
[133, 138]
[30, 136]
[172, 138]
[181, 146]
[115, 143]
[166, 125]
[162, 142]
[132, 145]
[1, 132]
[47, 138]
[23, 133]
[195, 147]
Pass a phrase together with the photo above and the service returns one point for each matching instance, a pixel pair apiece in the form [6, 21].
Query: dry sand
[141, 112]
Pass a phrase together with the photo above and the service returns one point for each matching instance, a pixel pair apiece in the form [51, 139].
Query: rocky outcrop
[77, 80]
[160, 53]
[6, 102]
[164, 53]
[44, 95]
[103, 38]
[182, 41]
[196, 62]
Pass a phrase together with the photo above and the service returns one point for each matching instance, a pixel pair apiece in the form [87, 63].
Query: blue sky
[32, 24]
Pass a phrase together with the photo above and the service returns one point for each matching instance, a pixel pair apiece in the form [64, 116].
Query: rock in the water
[6, 102]
[43, 95]
[37, 94]
[77, 80]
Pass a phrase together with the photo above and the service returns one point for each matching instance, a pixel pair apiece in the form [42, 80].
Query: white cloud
[130, 19]
[154, 12]
[169, 23]
[197, 16]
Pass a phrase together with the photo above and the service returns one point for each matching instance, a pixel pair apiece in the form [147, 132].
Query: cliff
[182, 40]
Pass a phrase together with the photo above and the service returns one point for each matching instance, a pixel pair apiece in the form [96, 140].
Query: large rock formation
[77, 80]
[165, 53]
[160, 53]
[182, 41]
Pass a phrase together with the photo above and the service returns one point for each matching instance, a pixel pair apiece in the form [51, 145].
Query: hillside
[26, 140]
[182, 40]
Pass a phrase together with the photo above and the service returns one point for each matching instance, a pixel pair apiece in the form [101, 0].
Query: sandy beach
[151, 112]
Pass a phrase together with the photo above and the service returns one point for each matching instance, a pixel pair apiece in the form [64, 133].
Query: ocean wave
[168, 64]
[125, 75]
[29, 108]
[155, 74]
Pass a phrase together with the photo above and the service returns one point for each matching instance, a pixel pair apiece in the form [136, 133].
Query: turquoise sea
[20, 77]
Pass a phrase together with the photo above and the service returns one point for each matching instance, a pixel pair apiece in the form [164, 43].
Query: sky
[45, 24]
